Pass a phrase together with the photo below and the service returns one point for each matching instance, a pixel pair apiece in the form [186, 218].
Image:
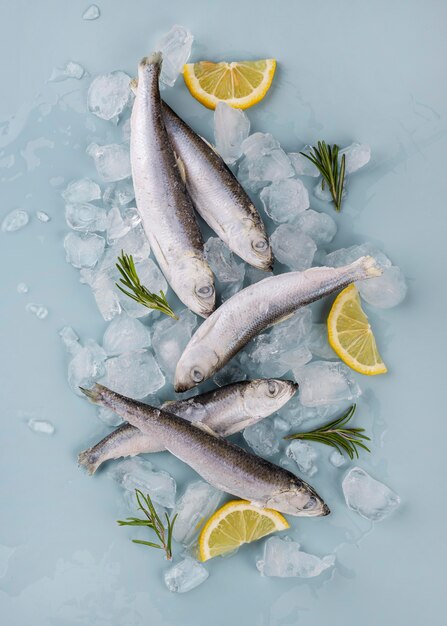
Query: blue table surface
[347, 71]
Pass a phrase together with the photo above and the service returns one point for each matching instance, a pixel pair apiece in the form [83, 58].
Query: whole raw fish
[225, 411]
[162, 201]
[223, 464]
[217, 195]
[255, 308]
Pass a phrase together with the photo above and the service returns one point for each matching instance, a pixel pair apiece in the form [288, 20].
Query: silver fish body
[255, 308]
[224, 411]
[221, 463]
[162, 201]
[218, 196]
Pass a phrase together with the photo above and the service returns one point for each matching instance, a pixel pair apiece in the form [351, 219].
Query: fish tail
[89, 460]
[368, 267]
[95, 394]
[155, 58]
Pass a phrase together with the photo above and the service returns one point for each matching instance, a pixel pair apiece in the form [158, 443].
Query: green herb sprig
[336, 435]
[153, 522]
[325, 158]
[137, 291]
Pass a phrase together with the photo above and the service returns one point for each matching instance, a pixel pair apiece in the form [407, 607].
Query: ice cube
[104, 291]
[119, 194]
[42, 216]
[319, 257]
[42, 427]
[112, 161]
[125, 334]
[278, 353]
[125, 131]
[369, 497]
[258, 144]
[284, 559]
[324, 382]
[22, 288]
[357, 155]
[151, 277]
[285, 199]
[85, 217]
[108, 95]
[319, 226]
[40, 311]
[292, 247]
[318, 342]
[86, 366]
[262, 438]
[71, 69]
[304, 455]
[384, 291]
[136, 473]
[83, 250]
[70, 340]
[231, 127]
[223, 262]
[232, 372]
[116, 226]
[82, 190]
[134, 374]
[264, 162]
[193, 508]
[303, 167]
[322, 191]
[108, 417]
[91, 13]
[344, 256]
[254, 275]
[176, 48]
[15, 220]
[337, 459]
[134, 242]
[132, 504]
[169, 339]
[185, 575]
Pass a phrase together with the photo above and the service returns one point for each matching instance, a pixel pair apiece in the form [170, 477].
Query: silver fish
[246, 314]
[224, 411]
[221, 463]
[163, 203]
[217, 195]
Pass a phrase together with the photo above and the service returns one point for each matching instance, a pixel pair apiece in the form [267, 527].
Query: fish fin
[168, 402]
[210, 145]
[181, 168]
[258, 503]
[156, 58]
[370, 266]
[87, 459]
[95, 393]
[134, 85]
[205, 428]
[283, 319]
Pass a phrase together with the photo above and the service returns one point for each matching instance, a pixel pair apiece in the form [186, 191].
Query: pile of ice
[284, 559]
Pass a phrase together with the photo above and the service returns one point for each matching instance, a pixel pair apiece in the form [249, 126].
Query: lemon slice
[350, 334]
[240, 84]
[235, 523]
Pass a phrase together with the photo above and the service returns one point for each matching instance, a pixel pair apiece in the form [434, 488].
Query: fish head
[197, 363]
[299, 500]
[198, 281]
[267, 395]
[259, 254]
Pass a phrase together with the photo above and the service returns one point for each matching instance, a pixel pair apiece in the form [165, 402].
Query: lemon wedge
[234, 524]
[350, 334]
[240, 84]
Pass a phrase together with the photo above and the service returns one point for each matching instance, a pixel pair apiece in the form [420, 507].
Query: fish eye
[206, 291]
[310, 504]
[260, 245]
[197, 375]
[272, 388]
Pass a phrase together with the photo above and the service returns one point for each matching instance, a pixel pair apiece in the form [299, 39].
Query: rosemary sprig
[136, 290]
[336, 435]
[154, 522]
[325, 159]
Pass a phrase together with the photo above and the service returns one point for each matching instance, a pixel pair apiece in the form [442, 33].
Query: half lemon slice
[235, 523]
[241, 84]
[350, 334]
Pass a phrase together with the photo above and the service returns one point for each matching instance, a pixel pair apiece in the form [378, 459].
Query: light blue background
[348, 70]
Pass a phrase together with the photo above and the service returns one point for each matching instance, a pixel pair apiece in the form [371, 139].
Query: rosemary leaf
[326, 160]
